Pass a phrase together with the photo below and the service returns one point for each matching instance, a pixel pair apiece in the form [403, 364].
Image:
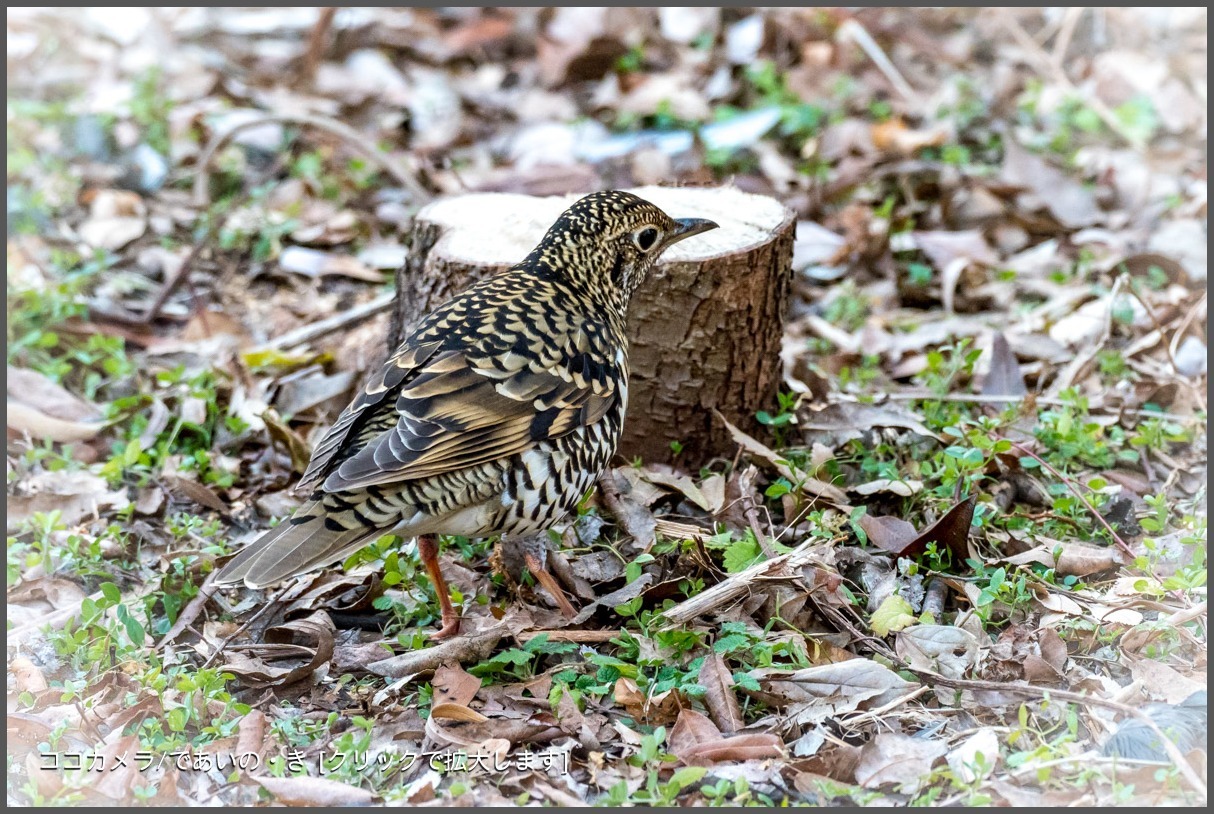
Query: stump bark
[704, 329]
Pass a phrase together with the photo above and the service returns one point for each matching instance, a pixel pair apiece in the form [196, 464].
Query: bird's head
[610, 240]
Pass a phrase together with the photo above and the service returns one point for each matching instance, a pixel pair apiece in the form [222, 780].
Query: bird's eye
[646, 238]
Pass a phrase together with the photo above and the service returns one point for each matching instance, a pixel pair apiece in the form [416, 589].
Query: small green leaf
[894, 614]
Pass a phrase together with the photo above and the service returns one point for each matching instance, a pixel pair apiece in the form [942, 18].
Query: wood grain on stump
[705, 328]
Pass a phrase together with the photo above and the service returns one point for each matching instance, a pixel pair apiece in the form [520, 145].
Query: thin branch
[1070, 484]
[403, 175]
[322, 327]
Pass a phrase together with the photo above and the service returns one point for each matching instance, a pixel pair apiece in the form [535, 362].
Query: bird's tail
[312, 538]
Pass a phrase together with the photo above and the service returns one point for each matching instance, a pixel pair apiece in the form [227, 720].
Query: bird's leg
[427, 548]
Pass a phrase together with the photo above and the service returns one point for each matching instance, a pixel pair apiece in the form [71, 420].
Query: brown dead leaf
[454, 685]
[255, 669]
[633, 517]
[197, 492]
[1068, 200]
[37, 391]
[719, 696]
[887, 533]
[116, 217]
[448, 711]
[893, 136]
[951, 531]
[891, 759]
[121, 769]
[668, 476]
[1071, 558]
[844, 421]
[301, 790]
[1005, 377]
[825, 691]
[950, 651]
[75, 495]
[251, 733]
[26, 676]
[295, 445]
[697, 742]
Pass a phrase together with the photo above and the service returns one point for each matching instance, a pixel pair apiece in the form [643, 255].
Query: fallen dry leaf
[719, 696]
[890, 759]
[301, 790]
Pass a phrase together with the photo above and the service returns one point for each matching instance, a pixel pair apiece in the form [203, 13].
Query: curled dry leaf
[24, 420]
[316, 263]
[1071, 558]
[448, 711]
[697, 742]
[719, 696]
[317, 630]
[657, 709]
[116, 217]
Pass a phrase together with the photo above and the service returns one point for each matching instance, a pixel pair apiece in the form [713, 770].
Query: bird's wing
[461, 408]
[371, 400]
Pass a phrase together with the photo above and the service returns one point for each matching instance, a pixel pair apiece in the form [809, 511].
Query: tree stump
[704, 329]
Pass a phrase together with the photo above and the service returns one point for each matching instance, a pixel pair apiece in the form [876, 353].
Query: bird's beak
[686, 227]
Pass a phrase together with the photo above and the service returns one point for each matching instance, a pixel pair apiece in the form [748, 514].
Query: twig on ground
[852, 30]
[270, 603]
[358, 141]
[316, 43]
[1047, 65]
[323, 327]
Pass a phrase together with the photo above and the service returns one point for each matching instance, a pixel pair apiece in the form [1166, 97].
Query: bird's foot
[450, 628]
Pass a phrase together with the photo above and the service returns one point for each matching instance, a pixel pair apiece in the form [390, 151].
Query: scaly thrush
[495, 416]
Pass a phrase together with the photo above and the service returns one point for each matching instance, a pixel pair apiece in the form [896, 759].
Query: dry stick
[322, 327]
[1046, 64]
[1053, 402]
[316, 43]
[245, 626]
[1070, 20]
[1122, 544]
[348, 134]
[575, 636]
[852, 30]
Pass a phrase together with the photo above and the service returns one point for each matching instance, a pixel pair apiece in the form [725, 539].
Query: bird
[494, 416]
[1184, 724]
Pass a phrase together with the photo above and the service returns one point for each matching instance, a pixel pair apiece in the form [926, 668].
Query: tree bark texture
[704, 329]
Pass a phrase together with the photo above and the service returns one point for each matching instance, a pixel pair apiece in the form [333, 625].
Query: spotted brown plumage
[496, 414]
